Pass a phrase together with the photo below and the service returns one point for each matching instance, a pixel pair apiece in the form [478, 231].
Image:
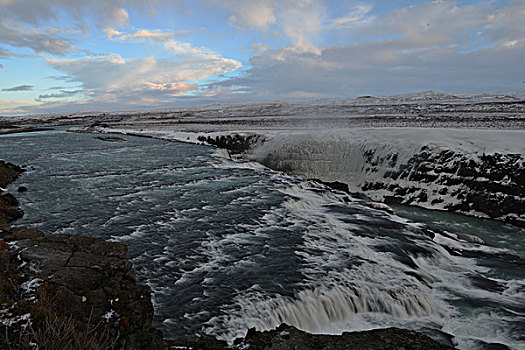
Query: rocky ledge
[72, 290]
[9, 210]
[68, 292]
[235, 144]
[488, 185]
[6, 128]
[470, 182]
[290, 338]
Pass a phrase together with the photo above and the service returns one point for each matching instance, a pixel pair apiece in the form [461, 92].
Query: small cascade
[318, 310]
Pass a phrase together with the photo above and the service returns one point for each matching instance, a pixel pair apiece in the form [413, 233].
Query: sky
[77, 55]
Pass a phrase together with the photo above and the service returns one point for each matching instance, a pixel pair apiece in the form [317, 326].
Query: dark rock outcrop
[492, 185]
[86, 281]
[8, 173]
[111, 138]
[290, 338]
[287, 337]
[68, 292]
[234, 144]
[6, 128]
[9, 210]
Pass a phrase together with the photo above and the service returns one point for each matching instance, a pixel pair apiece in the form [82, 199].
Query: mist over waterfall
[437, 169]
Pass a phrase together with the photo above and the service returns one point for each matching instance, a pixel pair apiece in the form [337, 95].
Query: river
[226, 245]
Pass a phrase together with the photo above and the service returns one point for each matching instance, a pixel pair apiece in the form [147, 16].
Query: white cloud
[110, 32]
[119, 15]
[447, 24]
[23, 23]
[35, 12]
[362, 69]
[299, 21]
[423, 47]
[358, 15]
[112, 78]
[143, 34]
[46, 39]
[174, 87]
[183, 49]
[61, 94]
[253, 14]
[304, 47]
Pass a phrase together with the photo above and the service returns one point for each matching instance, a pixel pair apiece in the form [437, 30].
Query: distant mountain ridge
[437, 96]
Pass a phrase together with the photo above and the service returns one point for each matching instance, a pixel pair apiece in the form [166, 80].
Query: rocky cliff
[68, 292]
[9, 210]
[476, 173]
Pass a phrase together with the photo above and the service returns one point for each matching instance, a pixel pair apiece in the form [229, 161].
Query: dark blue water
[227, 245]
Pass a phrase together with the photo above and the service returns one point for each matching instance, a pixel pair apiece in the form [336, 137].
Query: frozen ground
[427, 109]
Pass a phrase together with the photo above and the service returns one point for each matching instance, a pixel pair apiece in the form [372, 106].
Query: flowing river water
[227, 245]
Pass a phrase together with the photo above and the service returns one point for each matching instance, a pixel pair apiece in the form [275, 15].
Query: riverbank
[67, 292]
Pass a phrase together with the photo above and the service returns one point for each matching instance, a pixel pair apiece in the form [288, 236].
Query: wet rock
[111, 138]
[290, 338]
[470, 238]
[9, 210]
[22, 189]
[235, 144]
[287, 337]
[336, 185]
[8, 173]
[20, 233]
[488, 185]
[203, 343]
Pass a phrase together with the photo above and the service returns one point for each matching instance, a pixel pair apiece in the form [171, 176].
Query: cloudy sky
[70, 55]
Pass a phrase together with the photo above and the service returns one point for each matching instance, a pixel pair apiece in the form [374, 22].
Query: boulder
[287, 337]
[9, 210]
[8, 173]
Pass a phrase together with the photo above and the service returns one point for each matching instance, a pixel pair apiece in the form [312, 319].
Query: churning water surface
[228, 245]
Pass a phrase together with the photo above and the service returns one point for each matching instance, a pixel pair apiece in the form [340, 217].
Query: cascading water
[475, 172]
[228, 245]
